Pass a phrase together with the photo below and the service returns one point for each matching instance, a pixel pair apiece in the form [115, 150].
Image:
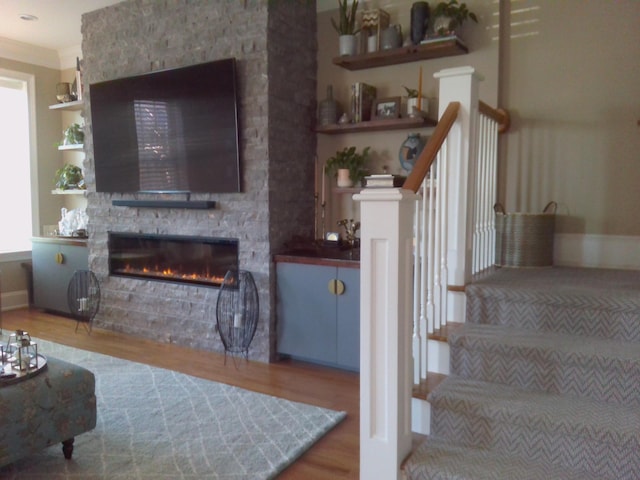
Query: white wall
[572, 85]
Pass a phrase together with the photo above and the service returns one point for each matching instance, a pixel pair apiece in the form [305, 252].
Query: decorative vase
[413, 110]
[419, 21]
[344, 180]
[348, 45]
[372, 43]
[328, 109]
[442, 26]
[410, 151]
[391, 37]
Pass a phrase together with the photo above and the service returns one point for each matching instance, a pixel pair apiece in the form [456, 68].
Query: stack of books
[384, 181]
[362, 98]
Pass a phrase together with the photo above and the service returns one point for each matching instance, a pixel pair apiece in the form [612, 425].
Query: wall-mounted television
[168, 131]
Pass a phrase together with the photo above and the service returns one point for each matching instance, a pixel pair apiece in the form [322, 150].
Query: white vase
[414, 111]
[344, 180]
[442, 25]
[348, 45]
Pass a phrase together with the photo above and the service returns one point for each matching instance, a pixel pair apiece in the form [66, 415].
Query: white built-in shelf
[78, 146]
[73, 191]
[75, 105]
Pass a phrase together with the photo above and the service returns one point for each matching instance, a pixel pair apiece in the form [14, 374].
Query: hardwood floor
[335, 456]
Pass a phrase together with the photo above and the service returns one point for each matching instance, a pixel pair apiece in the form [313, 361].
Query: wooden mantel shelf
[446, 47]
[377, 125]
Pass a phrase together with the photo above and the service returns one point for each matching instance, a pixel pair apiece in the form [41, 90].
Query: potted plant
[348, 166]
[448, 16]
[346, 27]
[73, 135]
[69, 177]
[415, 108]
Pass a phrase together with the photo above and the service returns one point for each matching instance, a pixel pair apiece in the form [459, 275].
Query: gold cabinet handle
[336, 287]
[60, 258]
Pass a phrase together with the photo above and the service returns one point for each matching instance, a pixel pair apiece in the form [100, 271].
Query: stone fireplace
[172, 258]
[274, 44]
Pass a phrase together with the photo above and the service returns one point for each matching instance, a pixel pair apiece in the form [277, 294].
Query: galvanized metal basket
[525, 239]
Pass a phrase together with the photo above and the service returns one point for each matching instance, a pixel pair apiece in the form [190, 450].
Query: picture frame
[386, 108]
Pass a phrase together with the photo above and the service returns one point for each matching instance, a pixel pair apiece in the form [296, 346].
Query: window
[15, 162]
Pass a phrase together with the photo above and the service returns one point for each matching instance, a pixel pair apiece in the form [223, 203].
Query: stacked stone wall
[139, 36]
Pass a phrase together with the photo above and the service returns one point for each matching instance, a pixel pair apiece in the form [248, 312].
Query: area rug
[159, 424]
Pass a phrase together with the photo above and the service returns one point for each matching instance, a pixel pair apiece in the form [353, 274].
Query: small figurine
[344, 119]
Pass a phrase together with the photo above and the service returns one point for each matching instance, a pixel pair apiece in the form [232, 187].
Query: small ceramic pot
[348, 45]
[344, 180]
[414, 111]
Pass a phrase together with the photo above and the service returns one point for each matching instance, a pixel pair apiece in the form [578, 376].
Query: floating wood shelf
[75, 105]
[377, 125]
[446, 47]
[71, 191]
[78, 146]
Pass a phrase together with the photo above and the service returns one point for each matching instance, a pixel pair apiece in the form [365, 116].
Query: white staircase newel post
[460, 85]
[386, 293]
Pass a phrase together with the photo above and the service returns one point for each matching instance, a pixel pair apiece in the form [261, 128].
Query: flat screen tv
[168, 131]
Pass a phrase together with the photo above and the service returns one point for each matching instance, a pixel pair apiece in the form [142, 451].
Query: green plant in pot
[348, 160]
[73, 135]
[449, 16]
[69, 177]
[414, 106]
[346, 27]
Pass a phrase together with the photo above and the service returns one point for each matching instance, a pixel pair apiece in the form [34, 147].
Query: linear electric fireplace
[173, 258]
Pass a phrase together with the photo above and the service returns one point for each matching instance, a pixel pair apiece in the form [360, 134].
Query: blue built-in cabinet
[55, 259]
[318, 312]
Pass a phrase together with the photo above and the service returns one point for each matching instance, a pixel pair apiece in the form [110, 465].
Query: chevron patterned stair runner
[545, 381]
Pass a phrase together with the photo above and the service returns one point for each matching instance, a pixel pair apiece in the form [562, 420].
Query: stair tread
[439, 459]
[580, 301]
[543, 411]
[602, 288]
[509, 336]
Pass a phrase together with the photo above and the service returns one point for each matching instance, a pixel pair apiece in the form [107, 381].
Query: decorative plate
[410, 151]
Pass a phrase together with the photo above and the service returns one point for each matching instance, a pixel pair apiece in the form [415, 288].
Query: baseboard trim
[14, 300]
[597, 251]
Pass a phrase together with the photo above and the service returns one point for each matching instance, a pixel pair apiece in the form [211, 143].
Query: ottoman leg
[67, 448]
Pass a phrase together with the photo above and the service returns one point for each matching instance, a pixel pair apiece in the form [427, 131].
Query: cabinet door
[348, 319]
[306, 312]
[50, 278]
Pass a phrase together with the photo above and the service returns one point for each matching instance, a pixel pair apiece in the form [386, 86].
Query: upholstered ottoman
[53, 406]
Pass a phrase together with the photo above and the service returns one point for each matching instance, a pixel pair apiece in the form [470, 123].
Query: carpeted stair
[545, 381]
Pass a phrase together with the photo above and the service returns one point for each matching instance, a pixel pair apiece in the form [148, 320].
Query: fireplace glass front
[173, 258]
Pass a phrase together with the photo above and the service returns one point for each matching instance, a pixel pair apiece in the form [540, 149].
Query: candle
[315, 179]
[323, 175]
[420, 90]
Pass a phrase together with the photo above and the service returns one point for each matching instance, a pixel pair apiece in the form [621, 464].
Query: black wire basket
[237, 312]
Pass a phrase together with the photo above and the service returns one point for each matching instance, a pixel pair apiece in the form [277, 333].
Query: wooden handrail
[500, 115]
[431, 149]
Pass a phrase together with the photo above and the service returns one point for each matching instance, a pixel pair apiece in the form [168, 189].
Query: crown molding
[24, 52]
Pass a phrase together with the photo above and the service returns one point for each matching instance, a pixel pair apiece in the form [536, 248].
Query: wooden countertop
[325, 256]
[77, 241]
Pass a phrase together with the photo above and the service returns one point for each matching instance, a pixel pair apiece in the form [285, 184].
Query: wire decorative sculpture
[83, 298]
[237, 312]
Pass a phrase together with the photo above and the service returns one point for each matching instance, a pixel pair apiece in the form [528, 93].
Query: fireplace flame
[170, 274]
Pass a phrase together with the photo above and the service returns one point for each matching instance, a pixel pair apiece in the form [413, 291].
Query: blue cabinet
[318, 313]
[54, 262]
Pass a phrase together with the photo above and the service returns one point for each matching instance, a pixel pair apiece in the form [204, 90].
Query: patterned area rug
[159, 424]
